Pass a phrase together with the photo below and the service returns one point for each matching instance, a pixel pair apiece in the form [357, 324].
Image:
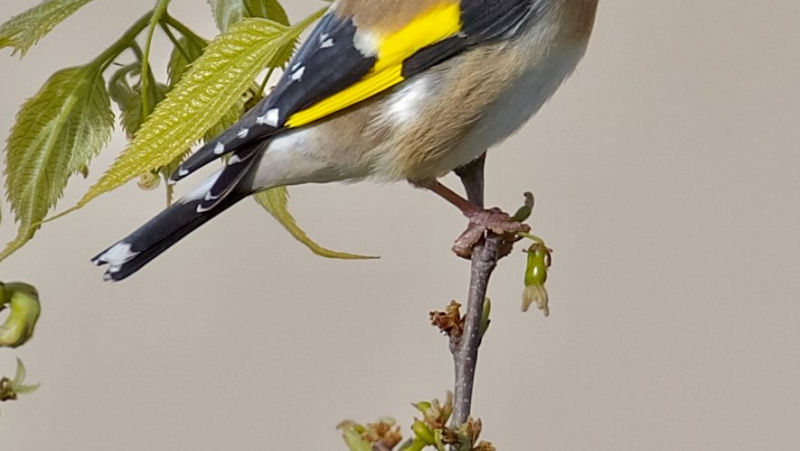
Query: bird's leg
[481, 220]
[466, 207]
[471, 175]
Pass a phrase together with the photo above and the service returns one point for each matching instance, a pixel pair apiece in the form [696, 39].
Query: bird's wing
[341, 64]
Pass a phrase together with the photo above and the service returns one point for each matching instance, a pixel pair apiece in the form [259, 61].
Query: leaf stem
[531, 236]
[123, 43]
[184, 53]
[158, 12]
[264, 82]
[182, 29]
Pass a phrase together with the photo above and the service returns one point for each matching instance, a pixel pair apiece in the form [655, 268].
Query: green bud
[524, 211]
[23, 301]
[355, 442]
[423, 432]
[423, 406]
[485, 320]
[538, 263]
[149, 181]
[413, 445]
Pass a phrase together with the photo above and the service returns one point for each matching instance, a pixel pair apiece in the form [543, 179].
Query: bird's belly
[503, 117]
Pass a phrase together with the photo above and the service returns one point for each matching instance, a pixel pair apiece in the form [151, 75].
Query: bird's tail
[156, 236]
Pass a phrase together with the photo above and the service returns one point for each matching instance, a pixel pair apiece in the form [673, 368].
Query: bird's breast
[446, 119]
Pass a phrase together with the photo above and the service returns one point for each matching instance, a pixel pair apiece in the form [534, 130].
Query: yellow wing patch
[436, 24]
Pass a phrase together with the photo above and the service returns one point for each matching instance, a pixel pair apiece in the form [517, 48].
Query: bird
[383, 90]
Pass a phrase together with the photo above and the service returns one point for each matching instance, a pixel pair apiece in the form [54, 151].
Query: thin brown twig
[465, 350]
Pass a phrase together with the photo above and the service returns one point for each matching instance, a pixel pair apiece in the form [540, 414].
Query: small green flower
[539, 258]
[10, 388]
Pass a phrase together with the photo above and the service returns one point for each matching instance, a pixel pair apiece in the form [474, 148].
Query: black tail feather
[140, 247]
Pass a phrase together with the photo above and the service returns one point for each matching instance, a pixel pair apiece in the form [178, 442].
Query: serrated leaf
[228, 119]
[24, 30]
[177, 61]
[227, 13]
[57, 133]
[276, 202]
[177, 68]
[211, 87]
[230, 12]
[267, 9]
[129, 98]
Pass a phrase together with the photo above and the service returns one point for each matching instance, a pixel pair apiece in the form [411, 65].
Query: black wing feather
[326, 63]
[329, 62]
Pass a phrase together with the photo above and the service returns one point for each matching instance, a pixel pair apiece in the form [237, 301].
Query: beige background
[666, 173]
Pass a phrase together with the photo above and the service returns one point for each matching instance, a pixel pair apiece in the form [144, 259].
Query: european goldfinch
[382, 89]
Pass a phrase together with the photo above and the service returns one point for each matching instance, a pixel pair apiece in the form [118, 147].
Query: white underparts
[404, 106]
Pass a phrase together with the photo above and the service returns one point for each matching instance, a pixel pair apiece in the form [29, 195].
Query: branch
[465, 348]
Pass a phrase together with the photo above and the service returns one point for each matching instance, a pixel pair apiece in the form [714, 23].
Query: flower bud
[23, 301]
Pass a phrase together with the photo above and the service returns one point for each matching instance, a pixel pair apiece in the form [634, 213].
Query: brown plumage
[372, 14]
[458, 95]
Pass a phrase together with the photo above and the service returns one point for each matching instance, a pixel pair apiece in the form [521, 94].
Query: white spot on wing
[183, 172]
[270, 118]
[366, 43]
[298, 74]
[243, 133]
[326, 44]
[219, 149]
[201, 190]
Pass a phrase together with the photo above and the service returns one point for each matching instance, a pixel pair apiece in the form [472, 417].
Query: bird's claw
[492, 220]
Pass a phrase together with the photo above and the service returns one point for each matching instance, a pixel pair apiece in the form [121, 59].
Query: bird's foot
[482, 222]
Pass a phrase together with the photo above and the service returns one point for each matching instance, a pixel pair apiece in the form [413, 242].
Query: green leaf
[276, 202]
[57, 133]
[177, 68]
[147, 91]
[24, 30]
[129, 98]
[227, 13]
[267, 9]
[230, 12]
[212, 86]
[228, 119]
[178, 63]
